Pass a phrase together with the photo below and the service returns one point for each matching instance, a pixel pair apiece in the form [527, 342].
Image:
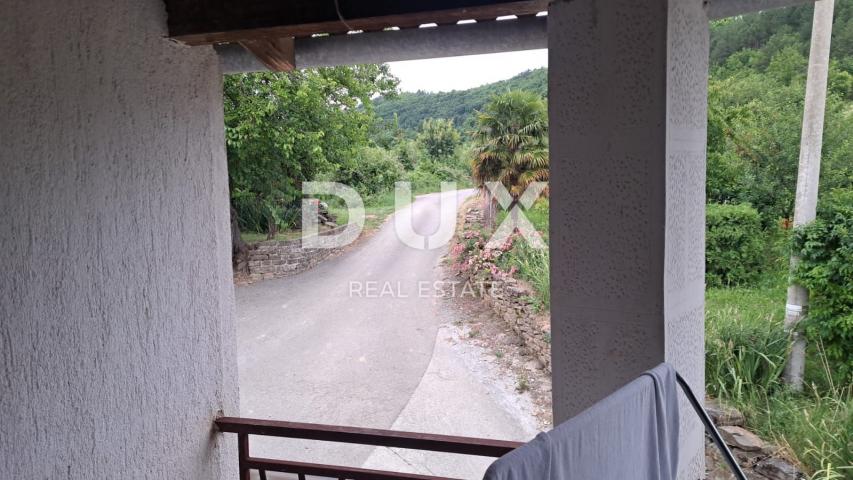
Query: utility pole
[805, 203]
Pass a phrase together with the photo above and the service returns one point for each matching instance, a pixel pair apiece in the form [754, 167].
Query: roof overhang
[286, 34]
[275, 32]
[527, 33]
[205, 22]
[729, 8]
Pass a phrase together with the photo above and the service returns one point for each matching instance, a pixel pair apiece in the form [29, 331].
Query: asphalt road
[352, 342]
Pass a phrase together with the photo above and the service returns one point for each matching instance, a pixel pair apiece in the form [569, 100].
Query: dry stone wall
[509, 297]
[281, 258]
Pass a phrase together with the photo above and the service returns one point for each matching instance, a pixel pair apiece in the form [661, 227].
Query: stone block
[778, 469]
[723, 415]
[741, 438]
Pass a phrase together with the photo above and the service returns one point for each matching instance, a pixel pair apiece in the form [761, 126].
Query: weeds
[746, 347]
[522, 384]
[533, 265]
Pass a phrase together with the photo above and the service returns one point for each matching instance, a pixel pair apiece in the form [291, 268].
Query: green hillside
[414, 108]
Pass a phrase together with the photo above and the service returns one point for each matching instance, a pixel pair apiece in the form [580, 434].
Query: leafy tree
[376, 171]
[409, 153]
[757, 31]
[386, 133]
[754, 121]
[283, 129]
[438, 138]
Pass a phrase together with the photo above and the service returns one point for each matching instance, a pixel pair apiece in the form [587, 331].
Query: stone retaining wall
[282, 258]
[510, 298]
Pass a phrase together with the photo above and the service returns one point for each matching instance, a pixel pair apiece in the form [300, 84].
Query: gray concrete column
[627, 103]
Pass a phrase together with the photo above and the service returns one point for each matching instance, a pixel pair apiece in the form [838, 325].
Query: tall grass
[533, 265]
[746, 347]
[538, 214]
[745, 342]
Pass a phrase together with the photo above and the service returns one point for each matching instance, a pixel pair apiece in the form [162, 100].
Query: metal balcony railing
[244, 427]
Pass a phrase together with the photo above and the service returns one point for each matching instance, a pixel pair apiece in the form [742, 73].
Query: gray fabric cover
[631, 434]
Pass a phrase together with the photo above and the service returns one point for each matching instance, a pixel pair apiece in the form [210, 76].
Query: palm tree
[510, 145]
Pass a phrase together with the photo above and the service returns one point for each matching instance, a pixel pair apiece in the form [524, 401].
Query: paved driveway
[312, 349]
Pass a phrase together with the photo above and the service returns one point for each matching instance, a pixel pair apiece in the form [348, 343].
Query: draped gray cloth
[631, 434]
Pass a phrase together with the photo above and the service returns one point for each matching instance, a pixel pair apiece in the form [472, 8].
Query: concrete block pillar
[627, 105]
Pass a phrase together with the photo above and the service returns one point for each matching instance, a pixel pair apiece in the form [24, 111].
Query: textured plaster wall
[684, 255]
[627, 105]
[116, 323]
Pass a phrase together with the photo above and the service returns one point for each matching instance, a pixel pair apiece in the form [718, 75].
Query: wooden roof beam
[277, 54]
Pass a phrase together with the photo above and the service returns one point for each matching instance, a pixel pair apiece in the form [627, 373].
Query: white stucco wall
[116, 314]
[627, 106]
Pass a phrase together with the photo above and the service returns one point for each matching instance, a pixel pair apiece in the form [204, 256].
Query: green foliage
[283, 129]
[386, 133]
[511, 142]
[408, 152]
[412, 109]
[532, 265]
[755, 31]
[429, 172]
[438, 138]
[815, 426]
[825, 248]
[746, 347]
[433, 156]
[375, 171]
[376, 208]
[756, 89]
[538, 214]
[745, 342]
[734, 245]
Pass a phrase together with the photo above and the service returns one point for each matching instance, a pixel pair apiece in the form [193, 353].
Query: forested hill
[747, 42]
[414, 108]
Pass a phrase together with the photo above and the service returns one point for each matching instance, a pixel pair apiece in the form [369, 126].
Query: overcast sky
[459, 73]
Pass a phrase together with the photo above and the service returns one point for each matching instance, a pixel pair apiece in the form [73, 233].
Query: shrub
[825, 248]
[438, 138]
[428, 173]
[734, 247]
[409, 153]
[375, 170]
